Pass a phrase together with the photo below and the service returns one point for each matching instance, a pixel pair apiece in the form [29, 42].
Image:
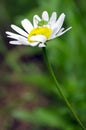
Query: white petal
[27, 25]
[41, 45]
[25, 42]
[53, 18]
[19, 30]
[45, 16]
[59, 22]
[10, 33]
[53, 35]
[20, 40]
[33, 44]
[38, 38]
[60, 32]
[36, 19]
[15, 36]
[15, 42]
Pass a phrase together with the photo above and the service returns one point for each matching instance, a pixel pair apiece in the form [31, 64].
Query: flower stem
[60, 90]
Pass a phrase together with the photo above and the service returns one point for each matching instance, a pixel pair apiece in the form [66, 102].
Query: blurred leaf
[40, 116]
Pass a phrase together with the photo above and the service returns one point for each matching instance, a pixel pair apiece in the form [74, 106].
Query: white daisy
[42, 30]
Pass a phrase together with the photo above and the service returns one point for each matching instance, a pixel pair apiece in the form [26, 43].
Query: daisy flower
[37, 34]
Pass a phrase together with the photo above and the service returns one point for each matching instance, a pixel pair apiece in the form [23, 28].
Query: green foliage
[22, 65]
[43, 22]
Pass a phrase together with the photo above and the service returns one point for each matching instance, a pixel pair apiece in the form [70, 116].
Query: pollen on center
[45, 31]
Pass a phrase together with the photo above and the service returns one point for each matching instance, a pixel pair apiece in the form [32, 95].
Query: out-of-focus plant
[68, 56]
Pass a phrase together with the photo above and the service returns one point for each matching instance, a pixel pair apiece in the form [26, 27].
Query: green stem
[60, 91]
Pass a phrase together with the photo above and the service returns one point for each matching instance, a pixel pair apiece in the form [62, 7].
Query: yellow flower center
[45, 31]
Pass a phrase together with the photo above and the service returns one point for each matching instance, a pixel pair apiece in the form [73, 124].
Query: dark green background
[28, 98]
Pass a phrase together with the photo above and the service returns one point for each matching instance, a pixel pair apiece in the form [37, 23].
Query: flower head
[42, 30]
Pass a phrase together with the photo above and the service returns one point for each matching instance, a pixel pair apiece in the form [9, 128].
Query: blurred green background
[28, 98]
